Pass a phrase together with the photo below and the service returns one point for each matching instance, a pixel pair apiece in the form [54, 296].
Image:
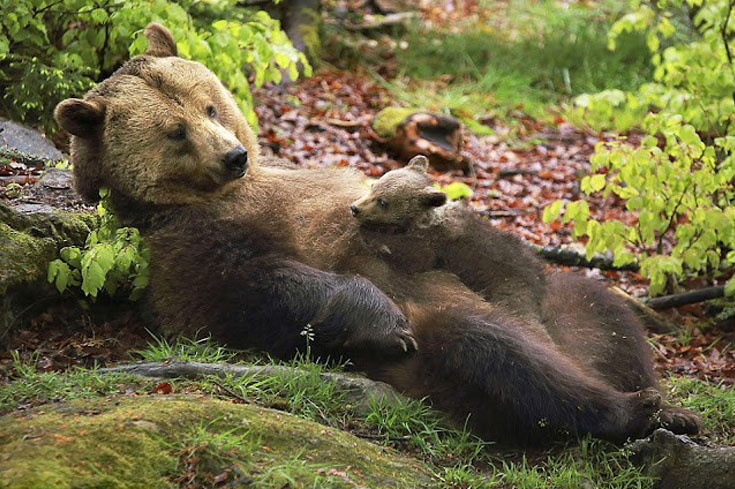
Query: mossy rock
[410, 132]
[146, 442]
[28, 242]
[387, 120]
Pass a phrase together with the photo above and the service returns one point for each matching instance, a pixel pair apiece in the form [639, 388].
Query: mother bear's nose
[354, 209]
[236, 160]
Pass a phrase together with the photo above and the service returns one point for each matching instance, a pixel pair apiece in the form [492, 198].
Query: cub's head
[160, 130]
[399, 198]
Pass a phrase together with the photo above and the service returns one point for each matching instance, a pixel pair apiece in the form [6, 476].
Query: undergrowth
[456, 458]
[542, 55]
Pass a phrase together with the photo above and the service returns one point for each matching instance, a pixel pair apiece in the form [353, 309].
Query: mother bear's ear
[160, 41]
[82, 118]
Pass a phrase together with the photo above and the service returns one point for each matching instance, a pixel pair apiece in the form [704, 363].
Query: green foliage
[679, 180]
[54, 49]
[456, 190]
[32, 386]
[204, 350]
[114, 259]
[715, 402]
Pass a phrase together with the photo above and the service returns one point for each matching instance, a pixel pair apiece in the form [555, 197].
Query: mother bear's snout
[236, 161]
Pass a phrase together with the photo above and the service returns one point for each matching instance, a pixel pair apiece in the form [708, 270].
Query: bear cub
[409, 223]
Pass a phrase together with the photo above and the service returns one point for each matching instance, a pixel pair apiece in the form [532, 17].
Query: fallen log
[689, 297]
[410, 132]
[360, 391]
[562, 255]
[677, 462]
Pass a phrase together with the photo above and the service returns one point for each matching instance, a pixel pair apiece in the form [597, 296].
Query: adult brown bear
[251, 254]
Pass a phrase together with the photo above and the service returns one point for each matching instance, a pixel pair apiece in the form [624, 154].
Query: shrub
[114, 259]
[54, 49]
[679, 181]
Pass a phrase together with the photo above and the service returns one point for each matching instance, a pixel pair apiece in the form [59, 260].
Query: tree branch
[359, 391]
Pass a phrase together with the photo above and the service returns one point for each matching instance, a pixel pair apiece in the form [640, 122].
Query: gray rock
[33, 208]
[31, 235]
[27, 140]
[57, 179]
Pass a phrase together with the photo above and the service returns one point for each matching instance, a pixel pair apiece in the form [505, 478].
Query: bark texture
[680, 463]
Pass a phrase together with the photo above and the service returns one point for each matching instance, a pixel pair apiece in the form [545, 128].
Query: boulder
[27, 140]
[31, 235]
[144, 442]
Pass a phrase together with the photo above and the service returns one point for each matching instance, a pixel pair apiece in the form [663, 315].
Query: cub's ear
[160, 41]
[419, 163]
[433, 197]
[83, 118]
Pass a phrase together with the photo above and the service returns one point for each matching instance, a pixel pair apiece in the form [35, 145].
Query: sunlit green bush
[679, 180]
[54, 49]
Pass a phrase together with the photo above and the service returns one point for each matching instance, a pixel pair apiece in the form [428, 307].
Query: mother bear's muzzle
[236, 162]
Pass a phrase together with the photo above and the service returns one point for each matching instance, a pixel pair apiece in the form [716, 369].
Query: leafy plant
[54, 49]
[114, 259]
[456, 190]
[679, 180]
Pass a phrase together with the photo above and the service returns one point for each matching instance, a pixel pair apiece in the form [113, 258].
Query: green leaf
[457, 190]
[93, 279]
[730, 287]
[593, 183]
[552, 211]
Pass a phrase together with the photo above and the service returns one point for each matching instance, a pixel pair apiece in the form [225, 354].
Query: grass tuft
[204, 350]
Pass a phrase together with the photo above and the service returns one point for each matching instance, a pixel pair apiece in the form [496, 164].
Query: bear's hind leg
[528, 388]
[679, 420]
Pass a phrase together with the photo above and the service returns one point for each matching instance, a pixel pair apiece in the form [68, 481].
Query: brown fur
[405, 220]
[256, 260]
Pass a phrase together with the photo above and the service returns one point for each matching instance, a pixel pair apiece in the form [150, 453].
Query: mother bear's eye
[178, 134]
[382, 203]
[211, 111]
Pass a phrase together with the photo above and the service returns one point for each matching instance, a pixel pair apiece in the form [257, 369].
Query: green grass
[542, 55]
[715, 402]
[457, 458]
[31, 386]
[203, 350]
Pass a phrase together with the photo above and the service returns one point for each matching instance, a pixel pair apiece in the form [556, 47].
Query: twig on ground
[689, 297]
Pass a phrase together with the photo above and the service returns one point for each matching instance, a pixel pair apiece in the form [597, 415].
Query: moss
[28, 242]
[387, 120]
[24, 257]
[310, 33]
[134, 442]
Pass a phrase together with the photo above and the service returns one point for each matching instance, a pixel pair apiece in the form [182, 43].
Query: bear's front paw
[644, 408]
[396, 342]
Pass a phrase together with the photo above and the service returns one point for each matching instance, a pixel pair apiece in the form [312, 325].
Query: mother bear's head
[160, 130]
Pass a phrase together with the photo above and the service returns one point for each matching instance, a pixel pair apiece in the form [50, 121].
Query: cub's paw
[679, 420]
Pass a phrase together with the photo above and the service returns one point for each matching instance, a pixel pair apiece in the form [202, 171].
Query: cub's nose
[236, 160]
[354, 210]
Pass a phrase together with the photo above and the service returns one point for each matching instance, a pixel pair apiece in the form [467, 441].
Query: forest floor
[527, 151]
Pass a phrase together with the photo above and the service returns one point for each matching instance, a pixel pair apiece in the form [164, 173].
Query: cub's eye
[211, 111]
[178, 134]
[382, 203]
